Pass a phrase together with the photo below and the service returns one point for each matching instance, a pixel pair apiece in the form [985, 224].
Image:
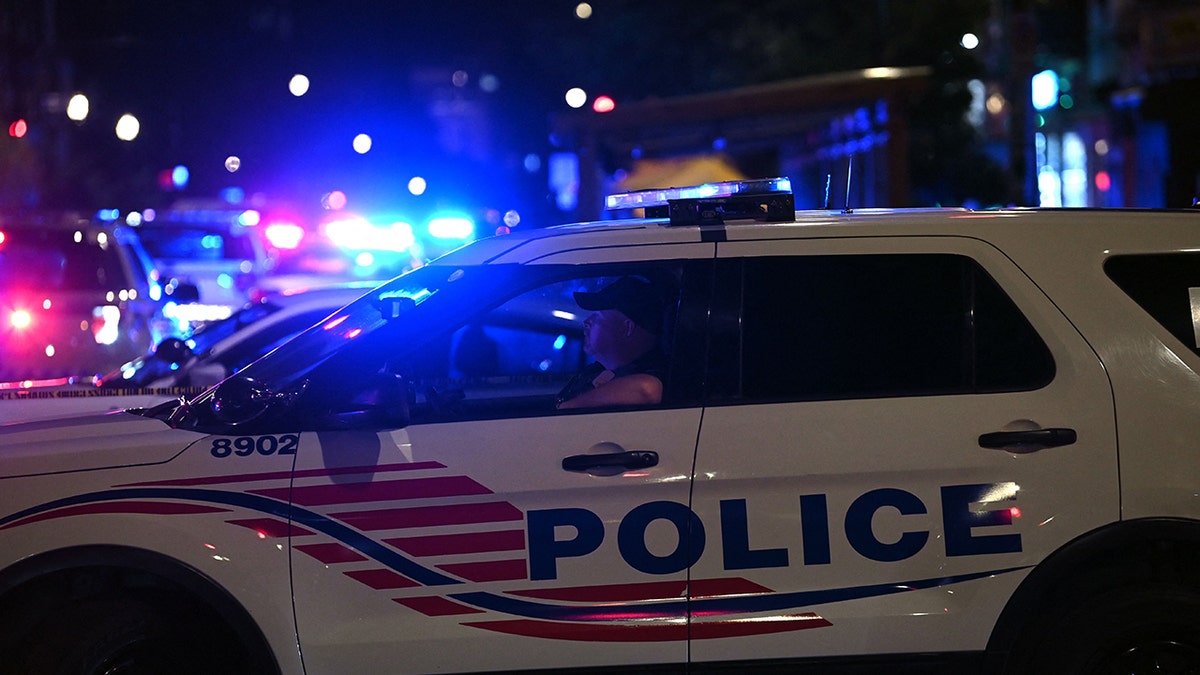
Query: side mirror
[173, 350]
[240, 400]
[182, 292]
[391, 306]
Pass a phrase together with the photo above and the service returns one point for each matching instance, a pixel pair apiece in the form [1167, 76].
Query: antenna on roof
[828, 178]
[849, 174]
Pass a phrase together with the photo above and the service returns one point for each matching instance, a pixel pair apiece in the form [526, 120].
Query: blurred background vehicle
[76, 298]
[218, 349]
[217, 250]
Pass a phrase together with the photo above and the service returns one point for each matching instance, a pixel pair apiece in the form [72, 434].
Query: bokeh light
[298, 85]
[1044, 87]
[362, 144]
[416, 185]
[576, 97]
[233, 163]
[583, 10]
[180, 176]
[284, 235]
[78, 107]
[128, 127]
[334, 201]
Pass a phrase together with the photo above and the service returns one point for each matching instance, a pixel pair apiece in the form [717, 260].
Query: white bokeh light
[298, 85]
[576, 97]
[362, 144]
[78, 107]
[128, 127]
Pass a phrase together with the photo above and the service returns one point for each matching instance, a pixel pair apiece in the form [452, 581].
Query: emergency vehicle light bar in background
[769, 199]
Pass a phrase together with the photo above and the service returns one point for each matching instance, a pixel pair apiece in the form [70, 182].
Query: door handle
[635, 459]
[1027, 440]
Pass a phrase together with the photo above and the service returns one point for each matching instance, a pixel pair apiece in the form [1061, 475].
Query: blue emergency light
[768, 199]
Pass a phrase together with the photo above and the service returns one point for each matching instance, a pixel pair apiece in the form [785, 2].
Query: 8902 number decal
[244, 446]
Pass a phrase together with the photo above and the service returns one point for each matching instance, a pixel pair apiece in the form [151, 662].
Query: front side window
[539, 347]
[496, 341]
[864, 326]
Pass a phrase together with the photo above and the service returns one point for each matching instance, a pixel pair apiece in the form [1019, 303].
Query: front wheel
[1148, 629]
[128, 636]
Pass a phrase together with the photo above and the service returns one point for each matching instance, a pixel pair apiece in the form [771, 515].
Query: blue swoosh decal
[740, 604]
[273, 507]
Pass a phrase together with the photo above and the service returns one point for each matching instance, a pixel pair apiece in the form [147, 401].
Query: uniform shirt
[653, 362]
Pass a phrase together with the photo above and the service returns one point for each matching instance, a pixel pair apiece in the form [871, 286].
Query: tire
[1148, 629]
[127, 636]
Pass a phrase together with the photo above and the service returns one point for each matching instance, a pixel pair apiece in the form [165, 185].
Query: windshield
[428, 292]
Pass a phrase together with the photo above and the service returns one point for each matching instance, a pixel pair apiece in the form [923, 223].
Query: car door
[899, 430]
[495, 532]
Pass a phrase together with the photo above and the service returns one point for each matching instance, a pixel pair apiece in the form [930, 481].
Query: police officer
[622, 335]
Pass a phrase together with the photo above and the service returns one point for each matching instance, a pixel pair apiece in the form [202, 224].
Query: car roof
[1111, 228]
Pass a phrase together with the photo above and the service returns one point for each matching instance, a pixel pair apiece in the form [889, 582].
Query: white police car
[948, 440]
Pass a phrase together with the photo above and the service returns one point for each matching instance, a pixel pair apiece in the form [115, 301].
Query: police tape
[35, 394]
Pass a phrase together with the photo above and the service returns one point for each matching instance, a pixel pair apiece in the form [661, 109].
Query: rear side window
[864, 326]
[1167, 286]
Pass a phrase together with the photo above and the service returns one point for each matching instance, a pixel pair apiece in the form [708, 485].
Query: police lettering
[556, 534]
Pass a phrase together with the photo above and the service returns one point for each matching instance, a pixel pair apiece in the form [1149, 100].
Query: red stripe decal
[588, 632]
[450, 544]
[430, 516]
[652, 590]
[655, 632]
[382, 579]
[707, 588]
[331, 553]
[759, 626]
[270, 528]
[380, 491]
[278, 475]
[214, 480]
[156, 508]
[500, 570]
[437, 606]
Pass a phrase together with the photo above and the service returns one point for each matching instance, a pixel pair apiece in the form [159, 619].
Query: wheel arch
[34, 586]
[1163, 550]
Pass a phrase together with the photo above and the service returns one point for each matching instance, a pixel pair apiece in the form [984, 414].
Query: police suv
[945, 440]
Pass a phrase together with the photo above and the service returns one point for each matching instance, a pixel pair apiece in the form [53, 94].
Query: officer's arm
[635, 389]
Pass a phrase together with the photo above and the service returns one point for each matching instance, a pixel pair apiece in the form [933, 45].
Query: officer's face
[602, 330]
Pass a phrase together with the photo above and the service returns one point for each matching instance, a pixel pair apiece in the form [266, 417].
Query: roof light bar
[711, 203]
